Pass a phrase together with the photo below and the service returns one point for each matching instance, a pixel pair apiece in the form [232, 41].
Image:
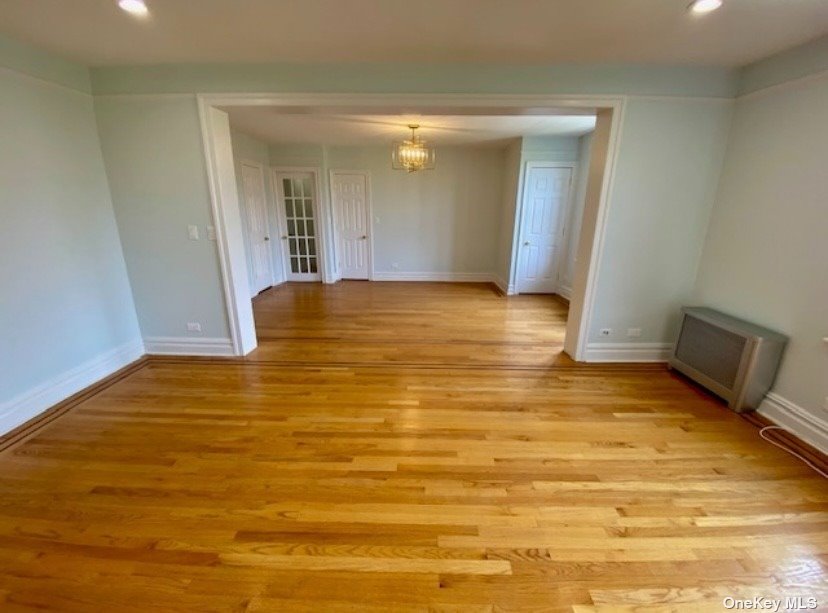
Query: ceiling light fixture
[702, 7]
[134, 7]
[413, 154]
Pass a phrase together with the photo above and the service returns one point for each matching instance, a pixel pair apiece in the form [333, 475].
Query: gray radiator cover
[733, 358]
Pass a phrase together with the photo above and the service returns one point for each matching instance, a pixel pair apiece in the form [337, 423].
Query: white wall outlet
[606, 331]
[193, 326]
[633, 332]
[211, 233]
[192, 232]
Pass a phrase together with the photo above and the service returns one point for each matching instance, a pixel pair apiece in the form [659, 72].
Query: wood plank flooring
[351, 464]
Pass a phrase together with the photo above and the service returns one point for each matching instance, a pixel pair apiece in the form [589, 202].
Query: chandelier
[413, 154]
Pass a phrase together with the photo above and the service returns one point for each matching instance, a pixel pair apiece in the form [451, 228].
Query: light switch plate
[192, 232]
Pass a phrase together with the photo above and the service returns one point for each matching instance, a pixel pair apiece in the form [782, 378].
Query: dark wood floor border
[37, 423]
[789, 440]
[557, 368]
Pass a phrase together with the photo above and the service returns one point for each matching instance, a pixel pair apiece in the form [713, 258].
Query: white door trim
[520, 216]
[245, 212]
[322, 212]
[243, 327]
[370, 207]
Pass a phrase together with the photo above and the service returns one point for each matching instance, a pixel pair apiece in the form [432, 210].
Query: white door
[350, 205]
[298, 212]
[545, 194]
[258, 233]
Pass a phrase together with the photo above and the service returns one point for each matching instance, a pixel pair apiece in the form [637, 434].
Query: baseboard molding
[501, 284]
[628, 352]
[804, 424]
[35, 401]
[175, 345]
[564, 292]
[451, 277]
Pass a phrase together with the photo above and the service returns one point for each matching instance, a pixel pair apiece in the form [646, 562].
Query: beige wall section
[765, 258]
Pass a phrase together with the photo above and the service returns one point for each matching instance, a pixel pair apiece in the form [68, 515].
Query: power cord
[791, 451]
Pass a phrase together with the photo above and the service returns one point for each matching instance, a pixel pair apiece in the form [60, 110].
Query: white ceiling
[274, 126]
[96, 32]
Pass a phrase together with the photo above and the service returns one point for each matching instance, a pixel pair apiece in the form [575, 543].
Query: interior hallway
[406, 447]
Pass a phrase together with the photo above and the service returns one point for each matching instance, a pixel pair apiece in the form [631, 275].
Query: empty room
[362, 305]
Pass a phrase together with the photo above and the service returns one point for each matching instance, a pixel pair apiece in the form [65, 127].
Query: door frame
[369, 211]
[610, 110]
[321, 251]
[520, 214]
[262, 168]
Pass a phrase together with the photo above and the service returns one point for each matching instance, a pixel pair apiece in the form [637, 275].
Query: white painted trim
[520, 213]
[181, 345]
[554, 103]
[628, 352]
[597, 251]
[242, 328]
[551, 103]
[564, 291]
[804, 424]
[501, 283]
[450, 277]
[33, 402]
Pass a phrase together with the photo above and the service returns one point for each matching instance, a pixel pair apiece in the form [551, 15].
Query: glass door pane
[299, 216]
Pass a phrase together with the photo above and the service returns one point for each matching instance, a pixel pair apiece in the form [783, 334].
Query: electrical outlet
[211, 233]
[193, 326]
[633, 332]
[606, 331]
[192, 232]
[395, 266]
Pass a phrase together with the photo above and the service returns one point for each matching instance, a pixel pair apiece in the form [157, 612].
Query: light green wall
[664, 186]
[765, 258]
[600, 79]
[33, 62]
[64, 295]
[576, 213]
[800, 61]
[156, 169]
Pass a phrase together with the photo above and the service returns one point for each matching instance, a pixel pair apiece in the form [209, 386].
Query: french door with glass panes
[298, 213]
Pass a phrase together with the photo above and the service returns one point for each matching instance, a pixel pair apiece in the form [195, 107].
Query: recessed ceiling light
[700, 7]
[134, 7]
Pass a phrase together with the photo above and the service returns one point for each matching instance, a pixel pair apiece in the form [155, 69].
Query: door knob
[364, 237]
[526, 244]
[267, 238]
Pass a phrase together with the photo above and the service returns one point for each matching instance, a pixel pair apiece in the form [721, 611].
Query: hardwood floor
[351, 464]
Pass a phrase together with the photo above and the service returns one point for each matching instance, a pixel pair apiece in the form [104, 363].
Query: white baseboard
[564, 292]
[175, 345]
[501, 283]
[31, 403]
[803, 423]
[454, 277]
[628, 352]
